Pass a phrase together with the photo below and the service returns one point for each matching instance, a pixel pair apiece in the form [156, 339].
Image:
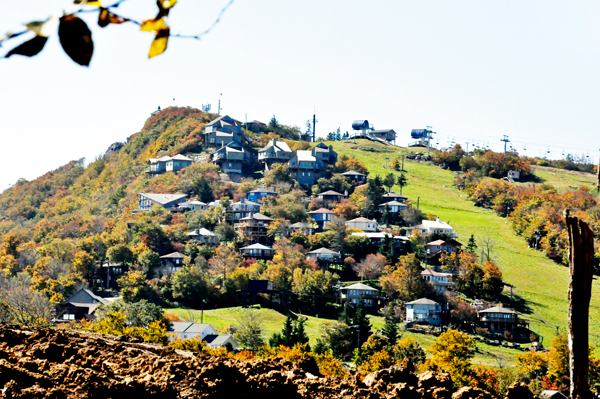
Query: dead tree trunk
[581, 264]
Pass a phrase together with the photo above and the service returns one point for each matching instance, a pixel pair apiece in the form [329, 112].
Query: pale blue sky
[474, 70]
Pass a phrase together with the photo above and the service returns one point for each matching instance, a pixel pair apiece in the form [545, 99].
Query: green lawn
[541, 283]
[273, 321]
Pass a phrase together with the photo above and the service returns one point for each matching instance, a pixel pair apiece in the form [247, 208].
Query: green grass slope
[541, 283]
[272, 322]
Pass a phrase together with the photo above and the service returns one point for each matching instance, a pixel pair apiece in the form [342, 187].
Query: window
[68, 316]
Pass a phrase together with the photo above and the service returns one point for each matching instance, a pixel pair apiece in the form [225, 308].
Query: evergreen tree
[402, 181]
[286, 335]
[361, 320]
[299, 332]
[389, 181]
[471, 245]
[338, 135]
[387, 248]
[390, 330]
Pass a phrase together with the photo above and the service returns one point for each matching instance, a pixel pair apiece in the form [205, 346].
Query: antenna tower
[219, 111]
[506, 140]
[314, 124]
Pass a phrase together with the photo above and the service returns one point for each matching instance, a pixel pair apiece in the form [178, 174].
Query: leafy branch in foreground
[76, 38]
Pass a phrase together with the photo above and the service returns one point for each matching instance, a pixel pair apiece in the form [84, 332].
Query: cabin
[167, 201]
[276, 151]
[261, 193]
[424, 311]
[359, 292]
[257, 251]
[355, 177]
[388, 135]
[393, 207]
[165, 164]
[204, 236]
[322, 216]
[230, 158]
[188, 330]
[111, 272]
[362, 224]
[172, 262]
[303, 228]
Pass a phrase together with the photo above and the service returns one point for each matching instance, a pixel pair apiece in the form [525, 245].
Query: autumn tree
[452, 353]
[371, 267]
[404, 281]
[224, 260]
[346, 209]
[558, 358]
[409, 348]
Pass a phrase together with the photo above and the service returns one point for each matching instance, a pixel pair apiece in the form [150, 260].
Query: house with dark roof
[359, 292]
[255, 228]
[307, 166]
[392, 196]
[276, 151]
[230, 158]
[388, 135]
[424, 311]
[355, 177]
[261, 193]
[322, 216]
[167, 201]
[393, 207]
[363, 224]
[81, 305]
[497, 320]
[332, 196]
[172, 262]
[257, 251]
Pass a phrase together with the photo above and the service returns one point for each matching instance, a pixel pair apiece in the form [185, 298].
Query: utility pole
[314, 123]
[467, 148]
[506, 140]
[219, 111]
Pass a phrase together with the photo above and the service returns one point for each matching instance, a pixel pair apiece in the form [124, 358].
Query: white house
[441, 281]
[221, 341]
[324, 255]
[428, 227]
[363, 224]
[187, 330]
[424, 310]
[194, 205]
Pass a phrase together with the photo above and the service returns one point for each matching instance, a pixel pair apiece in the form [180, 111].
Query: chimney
[346, 193]
[438, 220]
[275, 141]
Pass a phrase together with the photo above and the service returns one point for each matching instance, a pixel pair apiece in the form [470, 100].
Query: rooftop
[163, 198]
[258, 246]
[498, 309]
[174, 255]
[359, 286]
[324, 251]
[422, 301]
[322, 210]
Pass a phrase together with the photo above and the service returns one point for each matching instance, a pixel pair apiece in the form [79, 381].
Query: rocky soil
[56, 363]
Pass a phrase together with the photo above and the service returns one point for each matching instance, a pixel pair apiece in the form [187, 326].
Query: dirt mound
[56, 363]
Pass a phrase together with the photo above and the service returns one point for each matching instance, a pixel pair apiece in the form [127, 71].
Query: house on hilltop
[255, 228]
[276, 151]
[222, 131]
[167, 201]
[307, 166]
[257, 251]
[498, 320]
[204, 236]
[324, 257]
[331, 196]
[230, 158]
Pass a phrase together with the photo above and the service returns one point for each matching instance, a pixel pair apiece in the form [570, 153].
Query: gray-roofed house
[377, 238]
[204, 236]
[363, 224]
[355, 177]
[424, 311]
[360, 292]
[81, 305]
[393, 206]
[172, 262]
[258, 251]
[164, 164]
[438, 246]
[332, 196]
[230, 158]
[275, 151]
[222, 131]
[167, 201]
[324, 256]
[392, 196]
[498, 320]
[303, 167]
[221, 341]
[324, 154]
[388, 135]
[241, 209]
[194, 205]
[255, 228]
[261, 193]
[304, 228]
[188, 330]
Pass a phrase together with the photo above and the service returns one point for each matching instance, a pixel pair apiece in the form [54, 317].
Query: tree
[22, 305]
[389, 181]
[249, 333]
[120, 254]
[346, 209]
[189, 285]
[224, 260]
[402, 181]
[370, 267]
[558, 358]
[471, 245]
[361, 323]
[452, 353]
[409, 348]
[533, 364]
[293, 332]
[390, 330]
[226, 232]
[76, 38]
[137, 314]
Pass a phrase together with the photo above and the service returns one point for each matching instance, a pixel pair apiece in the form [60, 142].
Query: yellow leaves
[153, 25]
[93, 3]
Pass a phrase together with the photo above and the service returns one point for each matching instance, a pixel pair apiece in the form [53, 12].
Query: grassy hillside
[540, 283]
[273, 321]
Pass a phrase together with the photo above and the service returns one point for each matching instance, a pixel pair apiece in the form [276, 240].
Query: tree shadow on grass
[516, 302]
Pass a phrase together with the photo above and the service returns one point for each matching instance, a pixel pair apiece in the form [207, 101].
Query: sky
[472, 70]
